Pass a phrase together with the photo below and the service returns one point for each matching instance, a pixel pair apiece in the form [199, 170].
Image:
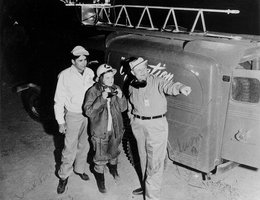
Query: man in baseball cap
[79, 50]
[72, 85]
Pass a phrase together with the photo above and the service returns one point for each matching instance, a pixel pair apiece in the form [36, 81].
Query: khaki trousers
[76, 145]
[151, 137]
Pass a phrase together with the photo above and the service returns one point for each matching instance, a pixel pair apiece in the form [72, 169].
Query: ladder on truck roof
[120, 16]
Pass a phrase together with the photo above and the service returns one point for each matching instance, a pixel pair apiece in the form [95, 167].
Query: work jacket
[95, 107]
[70, 91]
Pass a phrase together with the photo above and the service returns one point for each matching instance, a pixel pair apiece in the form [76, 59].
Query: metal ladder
[121, 14]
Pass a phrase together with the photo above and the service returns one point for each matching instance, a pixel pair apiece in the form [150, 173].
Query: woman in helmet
[104, 104]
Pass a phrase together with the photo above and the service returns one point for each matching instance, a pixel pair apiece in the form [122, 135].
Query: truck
[216, 127]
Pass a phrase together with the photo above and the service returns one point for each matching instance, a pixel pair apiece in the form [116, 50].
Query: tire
[129, 143]
[131, 150]
[31, 102]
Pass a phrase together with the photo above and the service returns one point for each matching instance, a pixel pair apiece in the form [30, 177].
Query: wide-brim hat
[138, 62]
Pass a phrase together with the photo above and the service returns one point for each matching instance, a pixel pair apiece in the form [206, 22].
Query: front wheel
[31, 102]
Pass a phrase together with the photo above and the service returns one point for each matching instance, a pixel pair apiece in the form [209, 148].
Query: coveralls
[147, 109]
[106, 125]
[69, 96]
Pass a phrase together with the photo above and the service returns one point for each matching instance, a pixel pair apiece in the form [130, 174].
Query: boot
[62, 185]
[101, 182]
[113, 171]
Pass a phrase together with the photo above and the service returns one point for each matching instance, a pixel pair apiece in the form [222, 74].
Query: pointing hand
[186, 90]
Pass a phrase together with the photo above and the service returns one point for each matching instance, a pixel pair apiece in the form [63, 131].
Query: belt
[147, 118]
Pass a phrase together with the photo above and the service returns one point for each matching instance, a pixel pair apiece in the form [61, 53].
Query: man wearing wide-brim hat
[147, 110]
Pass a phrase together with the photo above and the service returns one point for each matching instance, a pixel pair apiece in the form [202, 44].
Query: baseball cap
[79, 50]
[139, 61]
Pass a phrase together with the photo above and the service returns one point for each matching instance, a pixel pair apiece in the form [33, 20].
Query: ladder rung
[121, 13]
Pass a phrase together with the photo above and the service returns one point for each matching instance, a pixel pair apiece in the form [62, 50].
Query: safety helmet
[105, 68]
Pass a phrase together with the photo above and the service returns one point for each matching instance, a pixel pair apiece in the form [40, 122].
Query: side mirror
[93, 65]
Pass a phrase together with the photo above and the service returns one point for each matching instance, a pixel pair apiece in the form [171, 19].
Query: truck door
[241, 141]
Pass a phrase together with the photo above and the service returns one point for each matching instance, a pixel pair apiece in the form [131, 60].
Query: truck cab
[220, 120]
[218, 124]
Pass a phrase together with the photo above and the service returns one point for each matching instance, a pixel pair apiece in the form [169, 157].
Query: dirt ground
[29, 152]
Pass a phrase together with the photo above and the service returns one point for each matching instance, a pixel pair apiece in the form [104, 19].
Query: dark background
[37, 35]
[247, 22]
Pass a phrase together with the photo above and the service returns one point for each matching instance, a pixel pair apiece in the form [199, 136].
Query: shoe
[62, 185]
[138, 191]
[113, 171]
[84, 176]
[101, 182]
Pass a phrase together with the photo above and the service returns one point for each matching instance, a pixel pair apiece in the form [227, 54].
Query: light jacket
[70, 91]
[95, 107]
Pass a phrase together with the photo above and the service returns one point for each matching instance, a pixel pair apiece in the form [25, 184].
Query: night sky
[47, 30]
[49, 13]
[38, 35]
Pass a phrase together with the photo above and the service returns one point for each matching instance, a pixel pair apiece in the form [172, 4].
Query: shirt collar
[74, 70]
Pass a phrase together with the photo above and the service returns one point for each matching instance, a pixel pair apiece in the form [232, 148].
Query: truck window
[246, 89]
[253, 64]
[245, 65]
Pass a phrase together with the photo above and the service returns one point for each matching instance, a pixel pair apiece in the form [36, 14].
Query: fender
[26, 86]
